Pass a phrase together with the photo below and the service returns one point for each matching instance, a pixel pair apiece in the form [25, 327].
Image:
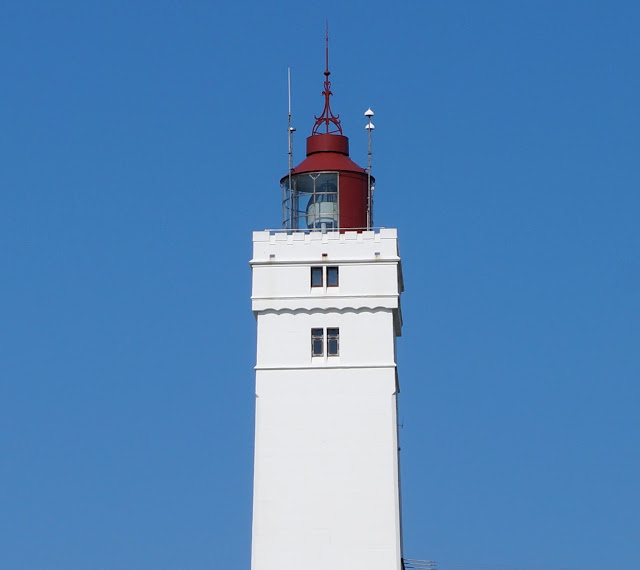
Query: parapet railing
[325, 231]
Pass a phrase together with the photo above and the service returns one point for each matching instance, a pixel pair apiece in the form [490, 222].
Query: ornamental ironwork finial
[327, 121]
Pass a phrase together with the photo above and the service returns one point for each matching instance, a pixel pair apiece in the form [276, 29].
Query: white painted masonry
[326, 484]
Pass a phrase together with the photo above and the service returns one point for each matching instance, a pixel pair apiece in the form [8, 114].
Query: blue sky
[141, 144]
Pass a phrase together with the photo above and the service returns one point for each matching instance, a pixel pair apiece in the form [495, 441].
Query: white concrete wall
[326, 486]
[326, 480]
[366, 338]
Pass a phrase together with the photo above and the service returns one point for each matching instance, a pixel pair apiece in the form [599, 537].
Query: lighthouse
[326, 296]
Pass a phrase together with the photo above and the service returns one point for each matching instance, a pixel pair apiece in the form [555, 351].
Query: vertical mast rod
[326, 47]
[369, 182]
[290, 130]
[369, 126]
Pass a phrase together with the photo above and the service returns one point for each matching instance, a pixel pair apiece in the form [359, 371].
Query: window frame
[317, 271]
[325, 342]
[324, 276]
[317, 340]
[329, 272]
[333, 335]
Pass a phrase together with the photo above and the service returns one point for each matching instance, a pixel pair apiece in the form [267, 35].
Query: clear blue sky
[142, 142]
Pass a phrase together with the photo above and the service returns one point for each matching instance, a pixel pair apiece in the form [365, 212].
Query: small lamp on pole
[369, 126]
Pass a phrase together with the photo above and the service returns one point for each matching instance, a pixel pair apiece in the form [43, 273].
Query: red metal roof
[327, 152]
[327, 161]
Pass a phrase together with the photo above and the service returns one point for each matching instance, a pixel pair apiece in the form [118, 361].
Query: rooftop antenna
[369, 126]
[326, 45]
[290, 131]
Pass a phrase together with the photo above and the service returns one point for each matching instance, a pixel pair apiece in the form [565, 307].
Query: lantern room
[327, 191]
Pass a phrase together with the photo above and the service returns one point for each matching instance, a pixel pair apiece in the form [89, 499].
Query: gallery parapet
[375, 245]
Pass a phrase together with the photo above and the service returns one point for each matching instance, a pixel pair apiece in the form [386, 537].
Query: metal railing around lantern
[287, 231]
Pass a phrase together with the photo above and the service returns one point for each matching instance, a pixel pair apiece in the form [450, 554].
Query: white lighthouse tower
[326, 296]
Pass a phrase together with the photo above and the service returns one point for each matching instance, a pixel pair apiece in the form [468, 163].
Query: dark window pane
[333, 338]
[332, 276]
[317, 342]
[316, 277]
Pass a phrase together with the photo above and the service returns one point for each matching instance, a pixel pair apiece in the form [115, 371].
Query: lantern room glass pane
[310, 201]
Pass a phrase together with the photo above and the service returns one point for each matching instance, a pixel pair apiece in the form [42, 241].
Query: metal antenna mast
[369, 126]
[290, 131]
[326, 46]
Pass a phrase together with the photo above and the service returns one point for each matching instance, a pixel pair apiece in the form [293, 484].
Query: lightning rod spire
[327, 119]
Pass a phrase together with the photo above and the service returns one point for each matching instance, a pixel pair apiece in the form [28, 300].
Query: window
[317, 342]
[333, 342]
[316, 277]
[332, 276]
